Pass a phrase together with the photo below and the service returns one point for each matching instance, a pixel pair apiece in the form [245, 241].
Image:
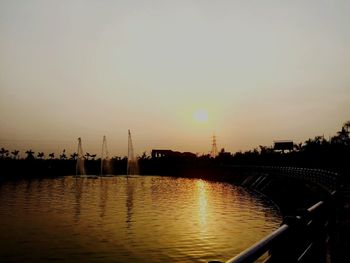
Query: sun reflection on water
[202, 204]
[130, 219]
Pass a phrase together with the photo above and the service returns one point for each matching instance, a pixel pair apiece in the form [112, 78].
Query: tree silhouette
[63, 156]
[298, 147]
[52, 156]
[314, 144]
[342, 136]
[41, 155]
[30, 154]
[144, 156]
[346, 125]
[4, 153]
[265, 149]
[15, 154]
[87, 156]
[73, 156]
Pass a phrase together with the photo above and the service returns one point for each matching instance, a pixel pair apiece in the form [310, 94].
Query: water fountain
[80, 167]
[105, 161]
[132, 165]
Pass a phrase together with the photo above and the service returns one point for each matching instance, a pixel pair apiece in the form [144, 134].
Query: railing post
[284, 249]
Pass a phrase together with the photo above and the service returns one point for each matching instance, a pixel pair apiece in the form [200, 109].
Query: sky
[173, 72]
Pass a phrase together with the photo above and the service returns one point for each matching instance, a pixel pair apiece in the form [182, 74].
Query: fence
[305, 237]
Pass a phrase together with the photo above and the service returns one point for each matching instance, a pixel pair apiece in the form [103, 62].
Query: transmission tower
[80, 169]
[104, 155]
[214, 149]
[132, 166]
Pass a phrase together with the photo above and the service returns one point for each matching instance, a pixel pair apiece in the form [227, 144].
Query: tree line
[318, 152]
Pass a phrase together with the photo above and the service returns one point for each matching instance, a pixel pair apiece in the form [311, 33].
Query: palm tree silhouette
[74, 156]
[30, 154]
[52, 155]
[87, 155]
[3, 153]
[41, 155]
[63, 156]
[15, 154]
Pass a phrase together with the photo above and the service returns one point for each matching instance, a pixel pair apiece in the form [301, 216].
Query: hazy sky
[261, 70]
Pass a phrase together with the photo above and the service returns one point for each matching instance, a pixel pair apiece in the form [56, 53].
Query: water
[129, 219]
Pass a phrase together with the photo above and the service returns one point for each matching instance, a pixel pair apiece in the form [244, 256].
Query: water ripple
[130, 219]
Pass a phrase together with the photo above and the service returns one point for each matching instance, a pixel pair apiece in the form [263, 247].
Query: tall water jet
[80, 167]
[105, 162]
[132, 166]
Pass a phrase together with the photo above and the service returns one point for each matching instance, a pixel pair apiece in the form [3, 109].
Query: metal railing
[326, 179]
[305, 236]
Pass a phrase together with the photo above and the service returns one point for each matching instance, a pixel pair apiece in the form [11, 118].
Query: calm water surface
[129, 219]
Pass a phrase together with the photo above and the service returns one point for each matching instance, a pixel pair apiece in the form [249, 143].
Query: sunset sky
[173, 72]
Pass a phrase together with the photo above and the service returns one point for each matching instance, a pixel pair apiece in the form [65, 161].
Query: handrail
[254, 252]
[315, 207]
[258, 249]
[297, 223]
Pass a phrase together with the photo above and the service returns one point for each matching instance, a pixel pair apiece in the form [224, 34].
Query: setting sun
[200, 115]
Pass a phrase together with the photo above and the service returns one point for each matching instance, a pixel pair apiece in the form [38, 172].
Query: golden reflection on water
[130, 219]
[202, 204]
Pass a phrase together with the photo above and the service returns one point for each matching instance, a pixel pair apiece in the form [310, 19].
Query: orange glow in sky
[173, 72]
